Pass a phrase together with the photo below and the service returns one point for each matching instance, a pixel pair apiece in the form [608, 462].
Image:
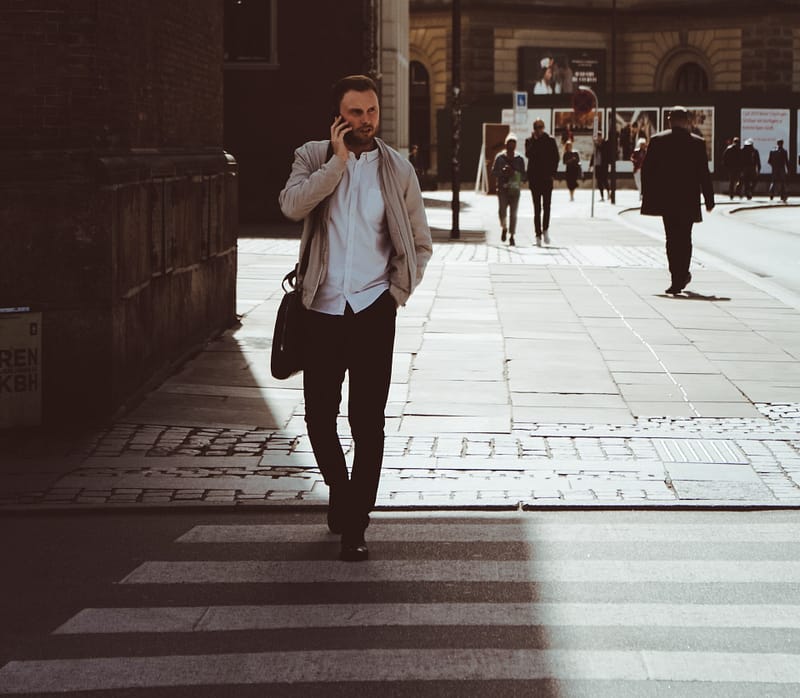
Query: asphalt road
[567, 604]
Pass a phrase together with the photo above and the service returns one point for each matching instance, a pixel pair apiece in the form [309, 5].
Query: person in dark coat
[572, 166]
[674, 175]
[542, 153]
[600, 162]
[732, 160]
[751, 167]
[779, 162]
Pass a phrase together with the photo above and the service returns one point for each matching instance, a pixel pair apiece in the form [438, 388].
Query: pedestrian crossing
[557, 604]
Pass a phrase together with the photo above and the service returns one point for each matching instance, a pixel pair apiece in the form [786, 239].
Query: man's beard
[362, 136]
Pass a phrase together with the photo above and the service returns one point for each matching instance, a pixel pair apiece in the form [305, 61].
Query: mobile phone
[348, 137]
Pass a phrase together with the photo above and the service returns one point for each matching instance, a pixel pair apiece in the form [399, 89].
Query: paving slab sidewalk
[523, 376]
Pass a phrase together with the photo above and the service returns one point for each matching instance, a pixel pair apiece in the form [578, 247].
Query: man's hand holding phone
[339, 130]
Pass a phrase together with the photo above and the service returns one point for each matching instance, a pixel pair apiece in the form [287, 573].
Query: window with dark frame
[691, 78]
[250, 32]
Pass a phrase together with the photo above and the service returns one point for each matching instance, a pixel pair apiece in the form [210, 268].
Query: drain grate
[699, 451]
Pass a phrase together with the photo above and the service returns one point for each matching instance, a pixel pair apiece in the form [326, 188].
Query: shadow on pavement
[692, 296]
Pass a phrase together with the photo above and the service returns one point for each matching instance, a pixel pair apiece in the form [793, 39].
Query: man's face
[361, 111]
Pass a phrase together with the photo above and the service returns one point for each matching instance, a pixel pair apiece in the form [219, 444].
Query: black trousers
[678, 230]
[360, 344]
[734, 185]
[778, 186]
[601, 175]
[542, 193]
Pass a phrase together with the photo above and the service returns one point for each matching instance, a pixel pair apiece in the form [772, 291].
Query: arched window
[691, 78]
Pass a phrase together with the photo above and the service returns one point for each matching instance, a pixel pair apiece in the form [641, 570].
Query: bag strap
[291, 277]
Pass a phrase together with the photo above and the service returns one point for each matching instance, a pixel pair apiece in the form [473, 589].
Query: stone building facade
[737, 51]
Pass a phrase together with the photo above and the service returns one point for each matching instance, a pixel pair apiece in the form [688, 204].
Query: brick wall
[117, 203]
[111, 74]
[767, 55]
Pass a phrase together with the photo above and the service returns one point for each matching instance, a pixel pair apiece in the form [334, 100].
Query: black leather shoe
[673, 290]
[354, 549]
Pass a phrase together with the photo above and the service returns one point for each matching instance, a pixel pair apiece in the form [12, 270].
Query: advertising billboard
[555, 71]
[765, 127]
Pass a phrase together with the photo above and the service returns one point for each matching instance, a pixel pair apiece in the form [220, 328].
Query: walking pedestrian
[751, 167]
[572, 168]
[637, 159]
[600, 162]
[779, 162]
[732, 161]
[509, 169]
[413, 158]
[674, 175]
[364, 219]
[542, 153]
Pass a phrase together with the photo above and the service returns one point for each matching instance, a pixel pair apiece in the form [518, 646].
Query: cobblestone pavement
[659, 460]
[177, 449]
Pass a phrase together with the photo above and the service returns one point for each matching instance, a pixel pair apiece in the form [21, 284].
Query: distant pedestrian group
[743, 166]
[510, 170]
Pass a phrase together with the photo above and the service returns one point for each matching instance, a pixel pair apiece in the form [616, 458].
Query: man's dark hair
[359, 83]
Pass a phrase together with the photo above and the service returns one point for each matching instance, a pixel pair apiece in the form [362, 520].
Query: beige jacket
[306, 197]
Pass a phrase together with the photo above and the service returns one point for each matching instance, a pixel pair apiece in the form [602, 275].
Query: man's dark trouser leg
[370, 372]
[536, 194]
[361, 344]
[547, 197]
[679, 248]
[325, 362]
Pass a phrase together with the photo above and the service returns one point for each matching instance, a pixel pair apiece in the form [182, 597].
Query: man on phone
[365, 221]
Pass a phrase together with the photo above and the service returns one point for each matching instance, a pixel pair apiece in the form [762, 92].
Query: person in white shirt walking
[365, 220]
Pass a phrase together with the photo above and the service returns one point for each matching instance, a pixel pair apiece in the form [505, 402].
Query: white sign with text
[765, 127]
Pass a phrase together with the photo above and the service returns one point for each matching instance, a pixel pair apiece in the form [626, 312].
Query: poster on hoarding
[701, 122]
[524, 129]
[632, 124]
[554, 71]
[578, 128]
[765, 127]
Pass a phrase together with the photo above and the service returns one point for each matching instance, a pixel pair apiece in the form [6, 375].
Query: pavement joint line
[638, 336]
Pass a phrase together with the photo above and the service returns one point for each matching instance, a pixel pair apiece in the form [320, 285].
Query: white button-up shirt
[359, 247]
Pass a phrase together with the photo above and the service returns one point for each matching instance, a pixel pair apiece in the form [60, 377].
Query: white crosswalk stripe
[226, 618]
[475, 610]
[519, 531]
[619, 571]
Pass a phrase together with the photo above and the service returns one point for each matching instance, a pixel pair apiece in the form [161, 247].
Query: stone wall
[117, 203]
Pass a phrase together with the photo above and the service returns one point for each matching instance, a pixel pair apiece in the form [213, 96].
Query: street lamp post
[612, 125]
[581, 106]
[455, 232]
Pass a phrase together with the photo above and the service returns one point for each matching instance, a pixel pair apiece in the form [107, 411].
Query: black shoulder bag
[287, 337]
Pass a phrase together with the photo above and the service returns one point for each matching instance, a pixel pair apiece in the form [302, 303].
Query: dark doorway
[419, 122]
